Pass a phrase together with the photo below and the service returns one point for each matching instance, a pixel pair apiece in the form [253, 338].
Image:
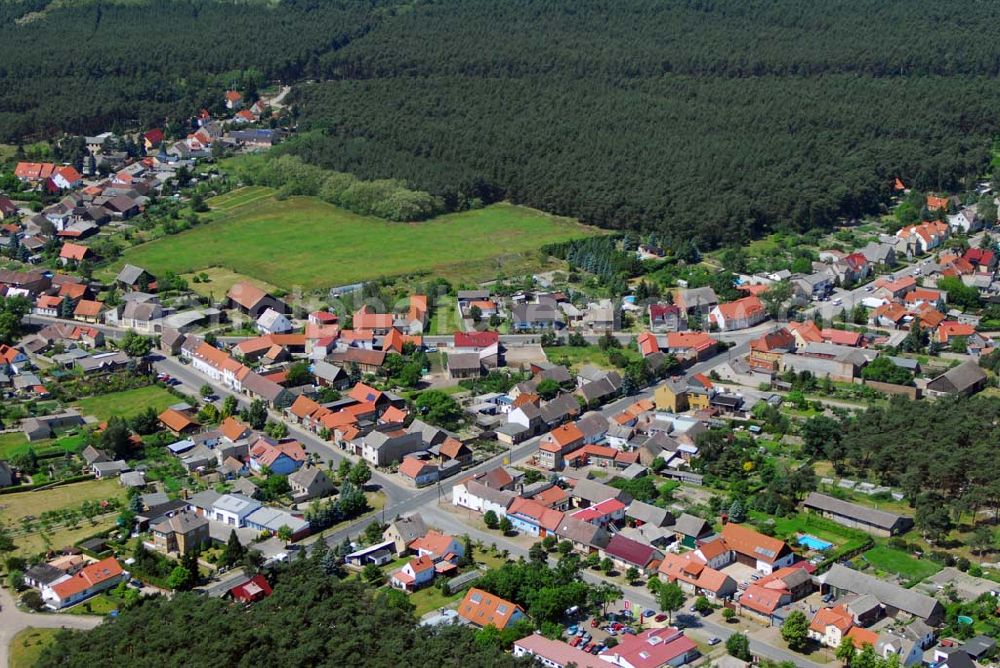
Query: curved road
[13, 621]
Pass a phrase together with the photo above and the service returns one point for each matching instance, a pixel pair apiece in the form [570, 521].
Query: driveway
[13, 621]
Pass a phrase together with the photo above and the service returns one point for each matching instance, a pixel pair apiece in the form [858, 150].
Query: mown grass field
[126, 404]
[16, 443]
[896, 561]
[16, 506]
[303, 241]
[27, 646]
[220, 280]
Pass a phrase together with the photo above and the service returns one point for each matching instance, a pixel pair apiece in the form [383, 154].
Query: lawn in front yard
[897, 561]
[430, 598]
[128, 403]
[27, 646]
[578, 356]
[101, 604]
[787, 528]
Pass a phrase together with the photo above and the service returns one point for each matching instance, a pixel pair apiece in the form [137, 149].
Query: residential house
[555, 653]
[481, 608]
[282, 458]
[587, 492]
[666, 318]
[873, 521]
[418, 472]
[559, 442]
[134, 279]
[652, 648]
[273, 322]
[766, 352]
[764, 597]
[540, 315]
[694, 576]
[840, 580]
[533, 518]
[310, 482]
[255, 589]
[764, 553]
[416, 573]
[181, 532]
[141, 316]
[89, 580]
[177, 423]
[739, 314]
[380, 448]
[481, 498]
[966, 221]
[76, 253]
[585, 536]
[927, 236]
[627, 553]
[880, 254]
[693, 345]
[404, 530]
[829, 626]
[700, 301]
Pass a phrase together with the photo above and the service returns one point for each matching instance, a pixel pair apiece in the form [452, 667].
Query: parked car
[648, 613]
[663, 618]
[713, 641]
[594, 623]
[574, 642]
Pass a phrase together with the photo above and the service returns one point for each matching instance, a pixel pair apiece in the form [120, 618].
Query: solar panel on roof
[765, 552]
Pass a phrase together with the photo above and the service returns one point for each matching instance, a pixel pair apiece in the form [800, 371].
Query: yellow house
[671, 396]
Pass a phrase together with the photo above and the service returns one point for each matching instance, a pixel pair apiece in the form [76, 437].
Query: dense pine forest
[705, 120]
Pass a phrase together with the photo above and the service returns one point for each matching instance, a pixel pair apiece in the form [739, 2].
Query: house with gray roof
[381, 448]
[561, 408]
[840, 580]
[870, 520]
[586, 537]
[645, 513]
[132, 277]
[589, 492]
[310, 482]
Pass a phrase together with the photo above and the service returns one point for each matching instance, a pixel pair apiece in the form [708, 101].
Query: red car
[660, 618]
[575, 641]
[617, 626]
[594, 623]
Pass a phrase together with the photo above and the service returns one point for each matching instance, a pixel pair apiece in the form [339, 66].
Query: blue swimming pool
[814, 543]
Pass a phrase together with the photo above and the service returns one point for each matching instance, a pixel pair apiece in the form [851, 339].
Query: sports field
[303, 241]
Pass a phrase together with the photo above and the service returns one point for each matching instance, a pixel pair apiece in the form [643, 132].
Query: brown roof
[246, 294]
[482, 608]
[176, 421]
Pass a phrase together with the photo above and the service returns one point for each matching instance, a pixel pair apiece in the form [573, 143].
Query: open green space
[431, 598]
[303, 241]
[15, 443]
[578, 356]
[215, 282]
[788, 528]
[102, 604]
[896, 561]
[127, 403]
[16, 506]
[27, 646]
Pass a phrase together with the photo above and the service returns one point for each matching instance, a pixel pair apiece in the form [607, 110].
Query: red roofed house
[949, 328]
[805, 333]
[474, 341]
[842, 337]
[366, 318]
[889, 315]
[557, 443]
[739, 314]
[281, 458]
[481, 608]
[245, 116]
[698, 344]
[234, 100]
[34, 172]
[89, 580]
[648, 344]
[48, 305]
[178, 423]
[935, 203]
[416, 573]
[533, 518]
[555, 653]
[653, 648]
[830, 625]
[627, 553]
[65, 178]
[765, 596]
[74, 253]
[8, 210]
[253, 590]
[919, 296]
[766, 352]
[418, 471]
[666, 318]
[601, 514]
[693, 575]
[437, 546]
[983, 260]
[749, 547]
[152, 138]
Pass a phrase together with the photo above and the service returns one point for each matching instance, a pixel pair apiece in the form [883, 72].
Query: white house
[272, 322]
[480, 498]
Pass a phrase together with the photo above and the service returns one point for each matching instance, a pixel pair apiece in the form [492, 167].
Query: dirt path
[13, 621]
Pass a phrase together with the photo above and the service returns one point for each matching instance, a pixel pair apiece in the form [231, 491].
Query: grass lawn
[101, 604]
[896, 561]
[16, 506]
[27, 645]
[16, 442]
[788, 527]
[303, 241]
[61, 537]
[126, 404]
[430, 598]
[220, 280]
[578, 356]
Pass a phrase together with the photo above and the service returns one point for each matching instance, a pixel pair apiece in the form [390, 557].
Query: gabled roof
[176, 421]
[837, 616]
[482, 608]
[88, 577]
[631, 551]
[753, 544]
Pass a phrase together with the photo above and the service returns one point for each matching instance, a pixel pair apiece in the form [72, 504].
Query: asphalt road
[13, 621]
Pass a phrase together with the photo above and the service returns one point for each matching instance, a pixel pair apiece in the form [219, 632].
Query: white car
[837, 302]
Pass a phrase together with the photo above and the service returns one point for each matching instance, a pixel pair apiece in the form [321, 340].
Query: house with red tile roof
[739, 314]
[416, 573]
[830, 625]
[533, 518]
[86, 582]
[694, 344]
[437, 546]
[418, 472]
[481, 608]
[890, 315]
[152, 138]
[474, 341]
[927, 236]
[34, 172]
[935, 203]
[555, 653]
[935, 298]
[694, 576]
[609, 511]
[666, 318]
[647, 344]
[88, 310]
[763, 597]
[653, 648]
[766, 351]
[556, 444]
[365, 318]
[71, 252]
[627, 553]
[765, 553]
[281, 458]
[842, 337]
[234, 99]
[985, 261]
[177, 422]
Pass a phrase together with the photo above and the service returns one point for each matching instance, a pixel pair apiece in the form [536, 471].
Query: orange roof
[837, 616]
[551, 497]
[526, 398]
[266, 454]
[545, 517]
[314, 331]
[421, 564]
[88, 577]
[72, 290]
[741, 308]
[304, 407]
[418, 307]
[861, 637]
[433, 542]
[807, 331]
[923, 295]
[351, 335]
[412, 467]
[48, 301]
[647, 343]
[87, 308]
[246, 294]
[950, 328]
[688, 568]
[842, 337]
[566, 434]
[903, 284]
[245, 115]
[761, 599]
[34, 170]
[934, 203]
[779, 340]
[233, 429]
[393, 414]
[482, 608]
[698, 341]
[451, 447]
[364, 393]
[893, 312]
[72, 251]
[366, 318]
[712, 549]
[176, 421]
[751, 543]
[233, 96]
